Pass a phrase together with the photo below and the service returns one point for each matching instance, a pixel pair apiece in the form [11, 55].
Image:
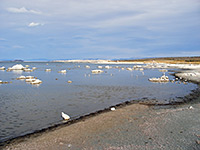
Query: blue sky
[105, 29]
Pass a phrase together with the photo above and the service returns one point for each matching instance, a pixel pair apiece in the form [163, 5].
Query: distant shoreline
[169, 60]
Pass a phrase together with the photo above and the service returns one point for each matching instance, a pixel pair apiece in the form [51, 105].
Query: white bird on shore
[65, 116]
[190, 107]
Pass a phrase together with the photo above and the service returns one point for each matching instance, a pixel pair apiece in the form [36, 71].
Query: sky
[103, 29]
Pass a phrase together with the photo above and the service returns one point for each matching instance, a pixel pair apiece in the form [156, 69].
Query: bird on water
[65, 116]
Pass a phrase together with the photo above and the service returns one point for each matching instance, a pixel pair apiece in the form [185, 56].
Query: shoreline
[167, 60]
[191, 97]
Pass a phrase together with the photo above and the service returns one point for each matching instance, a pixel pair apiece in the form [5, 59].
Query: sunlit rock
[69, 81]
[48, 70]
[87, 66]
[37, 81]
[28, 70]
[29, 77]
[17, 67]
[108, 67]
[163, 78]
[34, 68]
[2, 68]
[62, 71]
[100, 67]
[30, 80]
[97, 71]
[130, 69]
[21, 78]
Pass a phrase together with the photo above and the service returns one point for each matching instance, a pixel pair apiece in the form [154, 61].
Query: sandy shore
[131, 127]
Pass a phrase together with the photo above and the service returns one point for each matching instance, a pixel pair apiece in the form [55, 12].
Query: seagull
[65, 116]
[190, 107]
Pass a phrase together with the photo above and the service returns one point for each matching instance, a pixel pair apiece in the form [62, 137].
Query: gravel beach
[131, 127]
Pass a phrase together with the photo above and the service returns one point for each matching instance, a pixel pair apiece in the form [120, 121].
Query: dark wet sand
[133, 127]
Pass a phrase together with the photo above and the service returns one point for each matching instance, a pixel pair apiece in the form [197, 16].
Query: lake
[25, 108]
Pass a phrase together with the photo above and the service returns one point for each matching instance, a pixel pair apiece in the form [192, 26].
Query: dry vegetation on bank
[170, 60]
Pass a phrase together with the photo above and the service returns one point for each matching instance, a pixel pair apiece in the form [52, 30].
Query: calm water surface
[25, 108]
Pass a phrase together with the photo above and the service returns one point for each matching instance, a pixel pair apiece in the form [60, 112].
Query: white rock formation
[2, 68]
[48, 70]
[21, 77]
[37, 81]
[62, 71]
[97, 71]
[17, 67]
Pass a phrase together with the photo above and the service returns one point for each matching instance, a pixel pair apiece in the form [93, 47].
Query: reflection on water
[18, 71]
[25, 108]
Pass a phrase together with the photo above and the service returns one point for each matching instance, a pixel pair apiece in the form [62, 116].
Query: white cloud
[34, 24]
[22, 10]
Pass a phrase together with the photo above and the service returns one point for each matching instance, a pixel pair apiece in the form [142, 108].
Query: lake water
[25, 108]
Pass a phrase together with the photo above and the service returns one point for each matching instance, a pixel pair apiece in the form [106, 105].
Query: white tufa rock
[48, 70]
[62, 71]
[30, 80]
[69, 81]
[130, 69]
[2, 68]
[100, 67]
[37, 81]
[163, 78]
[28, 70]
[97, 71]
[17, 67]
[29, 77]
[87, 66]
[108, 67]
[21, 78]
